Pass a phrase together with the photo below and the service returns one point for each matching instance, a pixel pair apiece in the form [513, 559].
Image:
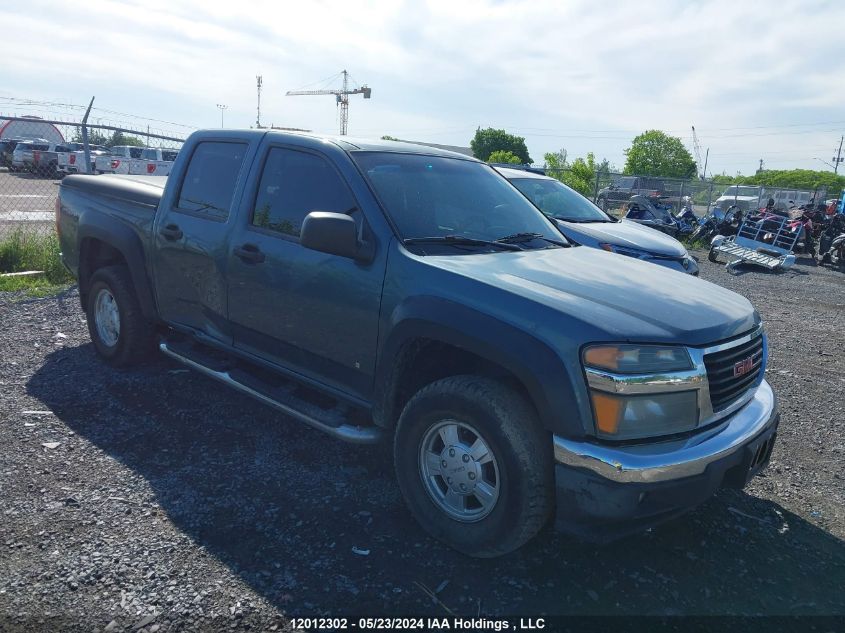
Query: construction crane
[341, 95]
[697, 147]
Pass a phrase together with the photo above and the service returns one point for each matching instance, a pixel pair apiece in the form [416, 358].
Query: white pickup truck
[74, 162]
[127, 159]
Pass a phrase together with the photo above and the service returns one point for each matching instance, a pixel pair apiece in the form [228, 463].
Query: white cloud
[556, 71]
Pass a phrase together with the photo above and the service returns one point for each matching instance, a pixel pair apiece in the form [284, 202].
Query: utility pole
[259, 80]
[222, 110]
[838, 158]
[706, 158]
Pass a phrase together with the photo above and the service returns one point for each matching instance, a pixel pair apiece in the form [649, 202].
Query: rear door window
[209, 184]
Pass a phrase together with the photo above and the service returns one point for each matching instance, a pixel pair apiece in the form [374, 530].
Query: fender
[543, 373]
[122, 238]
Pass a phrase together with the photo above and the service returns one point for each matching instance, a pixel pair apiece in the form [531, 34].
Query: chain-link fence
[613, 191]
[36, 153]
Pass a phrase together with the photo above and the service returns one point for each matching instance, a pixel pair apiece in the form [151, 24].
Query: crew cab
[384, 291]
[584, 223]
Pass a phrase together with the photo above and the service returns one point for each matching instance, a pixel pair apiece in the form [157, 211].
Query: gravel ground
[154, 500]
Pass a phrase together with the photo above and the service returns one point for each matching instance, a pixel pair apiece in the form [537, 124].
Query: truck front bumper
[606, 492]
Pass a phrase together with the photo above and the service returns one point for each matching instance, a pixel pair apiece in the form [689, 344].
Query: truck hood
[624, 233]
[626, 299]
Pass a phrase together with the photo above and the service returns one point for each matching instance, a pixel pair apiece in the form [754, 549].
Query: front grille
[726, 387]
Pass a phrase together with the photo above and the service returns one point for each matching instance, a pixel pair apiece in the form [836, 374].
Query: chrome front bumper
[668, 461]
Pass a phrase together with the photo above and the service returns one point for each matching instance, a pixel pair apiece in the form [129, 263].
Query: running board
[346, 432]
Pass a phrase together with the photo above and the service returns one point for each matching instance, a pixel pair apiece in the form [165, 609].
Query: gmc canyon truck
[380, 290]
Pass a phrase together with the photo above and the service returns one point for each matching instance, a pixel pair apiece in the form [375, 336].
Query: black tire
[712, 256]
[522, 451]
[136, 336]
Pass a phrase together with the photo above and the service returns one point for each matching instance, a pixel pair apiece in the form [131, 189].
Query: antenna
[258, 80]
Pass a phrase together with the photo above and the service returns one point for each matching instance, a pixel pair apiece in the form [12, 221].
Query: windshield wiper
[460, 240]
[582, 220]
[519, 238]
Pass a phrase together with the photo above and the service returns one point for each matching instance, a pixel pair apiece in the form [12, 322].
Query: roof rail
[535, 170]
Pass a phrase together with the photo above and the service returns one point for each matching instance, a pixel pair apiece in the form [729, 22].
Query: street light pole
[222, 110]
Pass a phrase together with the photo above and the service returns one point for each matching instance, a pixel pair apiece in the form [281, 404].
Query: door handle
[171, 232]
[250, 252]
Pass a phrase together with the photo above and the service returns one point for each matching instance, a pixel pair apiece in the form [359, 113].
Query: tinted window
[292, 185]
[430, 196]
[168, 155]
[209, 183]
[558, 201]
[135, 152]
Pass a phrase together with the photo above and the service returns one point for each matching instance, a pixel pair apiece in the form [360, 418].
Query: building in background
[30, 127]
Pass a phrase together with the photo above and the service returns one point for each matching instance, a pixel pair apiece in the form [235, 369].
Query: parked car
[623, 187]
[74, 162]
[7, 147]
[23, 157]
[584, 223]
[414, 294]
[45, 163]
[151, 161]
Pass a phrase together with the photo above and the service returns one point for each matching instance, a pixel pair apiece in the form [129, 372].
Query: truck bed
[136, 190]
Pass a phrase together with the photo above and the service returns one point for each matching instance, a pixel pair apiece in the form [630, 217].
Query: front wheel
[712, 255]
[118, 329]
[474, 465]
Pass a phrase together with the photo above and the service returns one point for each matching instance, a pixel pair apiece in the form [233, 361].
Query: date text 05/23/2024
[418, 624]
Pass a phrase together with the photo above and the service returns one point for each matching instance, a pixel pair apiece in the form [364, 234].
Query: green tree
[94, 137]
[655, 153]
[503, 156]
[580, 174]
[119, 138]
[555, 160]
[804, 179]
[489, 140]
[387, 137]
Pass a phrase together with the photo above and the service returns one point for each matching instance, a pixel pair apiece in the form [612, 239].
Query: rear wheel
[474, 465]
[118, 329]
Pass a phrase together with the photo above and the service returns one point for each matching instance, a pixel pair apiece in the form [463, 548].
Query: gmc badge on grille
[744, 366]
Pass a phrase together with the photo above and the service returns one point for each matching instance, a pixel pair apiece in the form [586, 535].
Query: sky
[756, 79]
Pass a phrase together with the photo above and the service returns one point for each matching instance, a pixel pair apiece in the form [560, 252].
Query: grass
[23, 250]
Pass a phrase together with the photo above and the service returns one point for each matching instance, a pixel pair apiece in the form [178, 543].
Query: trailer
[768, 242]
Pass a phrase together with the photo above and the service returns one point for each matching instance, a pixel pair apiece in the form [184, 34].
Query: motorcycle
[717, 222]
[803, 226]
[832, 240]
[643, 210]
[686, 219]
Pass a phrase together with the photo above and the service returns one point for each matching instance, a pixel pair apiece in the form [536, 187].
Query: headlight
[637, 359]
[624, 250]
[641, 391]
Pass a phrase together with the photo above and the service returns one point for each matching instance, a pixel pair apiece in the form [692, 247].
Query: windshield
[557, 200]
[430, 196]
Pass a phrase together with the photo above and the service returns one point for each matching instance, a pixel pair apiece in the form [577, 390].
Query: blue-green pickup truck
[381, 291]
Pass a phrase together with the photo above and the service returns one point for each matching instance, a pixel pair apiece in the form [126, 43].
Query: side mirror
[333, 233]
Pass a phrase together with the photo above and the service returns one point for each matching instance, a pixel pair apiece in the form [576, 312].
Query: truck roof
[350, 143]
